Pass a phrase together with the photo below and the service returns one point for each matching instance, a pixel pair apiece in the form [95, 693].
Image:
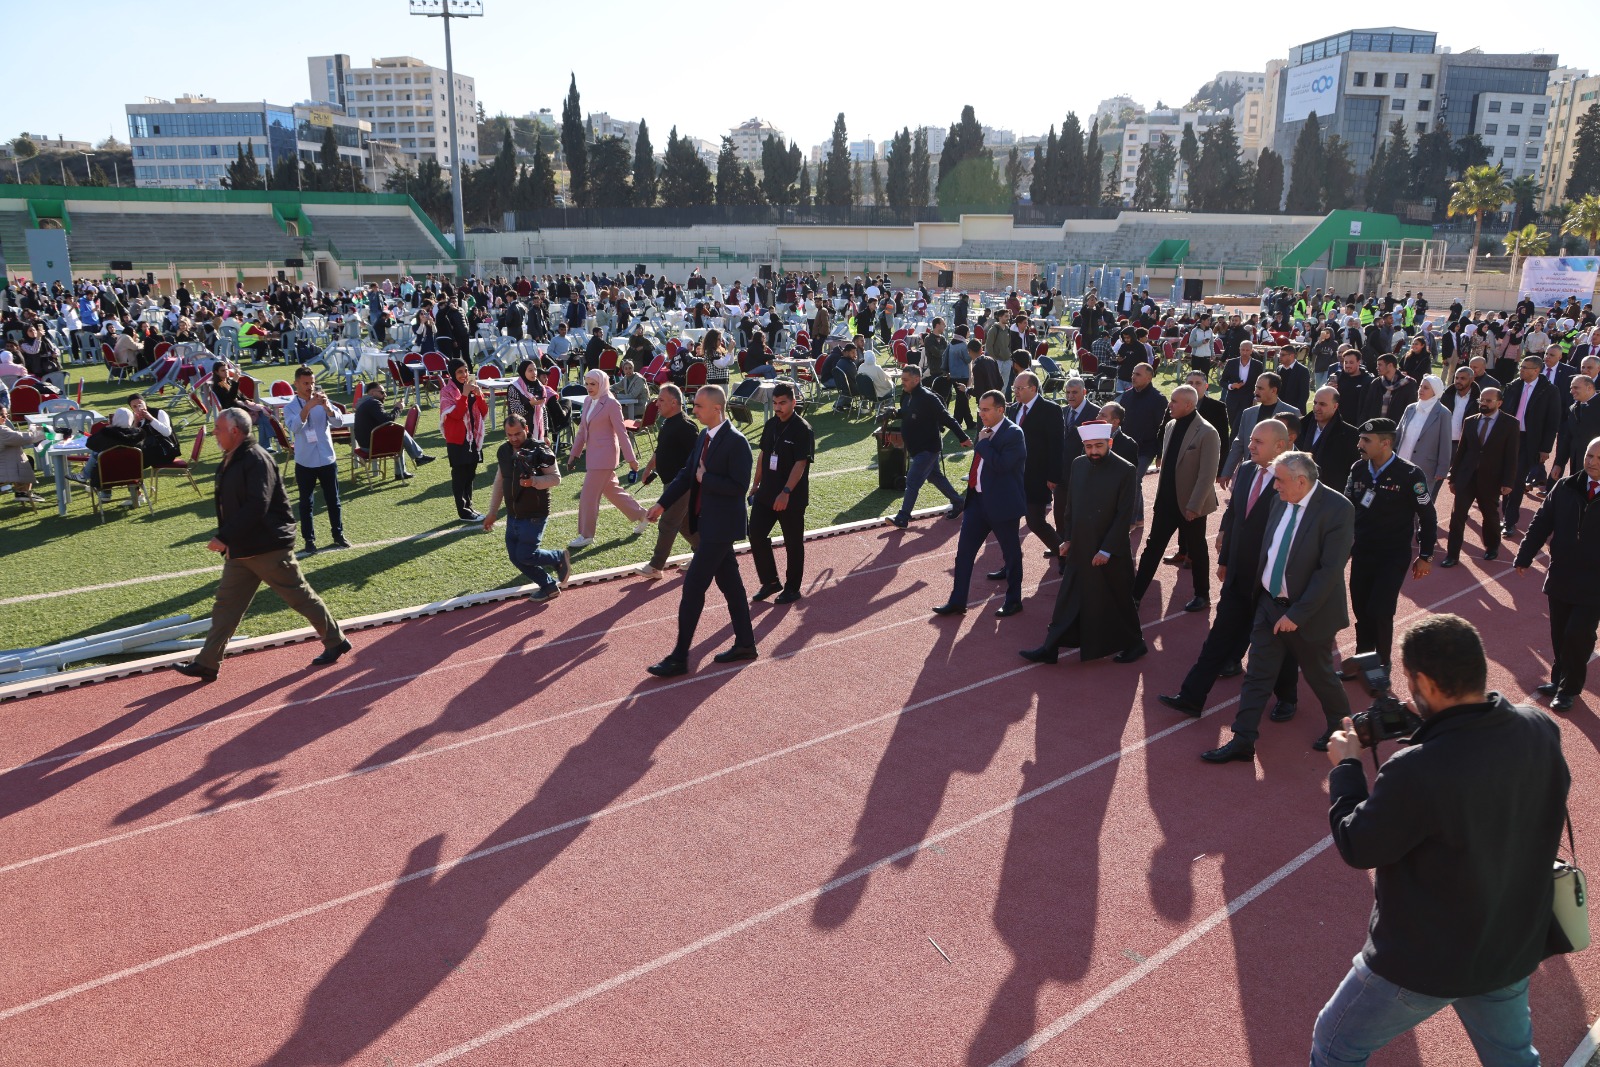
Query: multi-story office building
[1571, 94]
[1249, 120]
[748, 137]
[861, 151]
[188, 143]
[405, 100]
[1155, 127]
[601, 124]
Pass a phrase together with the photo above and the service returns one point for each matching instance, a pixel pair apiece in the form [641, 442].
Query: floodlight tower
[447, 10]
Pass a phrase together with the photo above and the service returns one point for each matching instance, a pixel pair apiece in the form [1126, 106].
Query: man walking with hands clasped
[779, 496]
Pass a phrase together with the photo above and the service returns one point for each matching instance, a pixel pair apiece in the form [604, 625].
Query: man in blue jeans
[309, 417]
[524, 475]
[1462, 827]
[922, 417]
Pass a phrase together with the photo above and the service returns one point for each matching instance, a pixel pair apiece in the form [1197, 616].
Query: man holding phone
[309, 417]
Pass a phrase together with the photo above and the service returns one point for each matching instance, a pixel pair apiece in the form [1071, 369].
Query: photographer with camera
[1462, 827]
[525, 472]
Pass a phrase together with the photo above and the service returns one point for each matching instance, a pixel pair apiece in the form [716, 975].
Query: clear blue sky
[1022, 66]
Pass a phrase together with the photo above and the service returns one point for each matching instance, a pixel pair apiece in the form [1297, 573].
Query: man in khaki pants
[255, 534]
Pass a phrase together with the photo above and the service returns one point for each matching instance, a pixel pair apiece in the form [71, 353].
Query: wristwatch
[784, 490]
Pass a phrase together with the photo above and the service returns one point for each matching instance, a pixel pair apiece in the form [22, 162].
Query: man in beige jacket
[1185, 494]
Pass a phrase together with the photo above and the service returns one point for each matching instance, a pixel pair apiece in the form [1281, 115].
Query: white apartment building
[1154, 128]
[748, 137]
[1110, 110]
[1249, 119]
[1512, 126]
[1246, 79]
[601, 124]
[406, 102]
[188, 143]
[1571, 94]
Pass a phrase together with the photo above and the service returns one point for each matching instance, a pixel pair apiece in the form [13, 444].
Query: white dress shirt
[1277, 536]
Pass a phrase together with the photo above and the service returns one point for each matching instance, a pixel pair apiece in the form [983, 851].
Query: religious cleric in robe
[1094, 609]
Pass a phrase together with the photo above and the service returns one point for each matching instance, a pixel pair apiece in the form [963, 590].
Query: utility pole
[447, 10]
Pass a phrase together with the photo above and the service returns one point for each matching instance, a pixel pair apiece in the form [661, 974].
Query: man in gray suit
[1267, 406]
[1302, 607]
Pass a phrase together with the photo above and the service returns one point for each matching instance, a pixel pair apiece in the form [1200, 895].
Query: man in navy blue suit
[996, 502]
[716, 478]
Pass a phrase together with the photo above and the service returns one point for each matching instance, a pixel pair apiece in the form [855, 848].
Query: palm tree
[1524, 192]
[1584, 220]
[1482, 188]
[1528, 241]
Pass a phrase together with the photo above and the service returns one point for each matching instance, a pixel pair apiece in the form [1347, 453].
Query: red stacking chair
[695, 377]
[25, 400]
[247, 387]
[282, 388]
[121, 466]
[387, 443]
[181, 466]
[644, 424]
[902, 353]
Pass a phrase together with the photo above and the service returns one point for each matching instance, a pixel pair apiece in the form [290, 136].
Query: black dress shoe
[1548, 689]
[424, 460]
[1234, 751]
[1049, 554]
[736, 654]
[1491, 555]
[1508, 530]
[1231, 670]
[788, 596]
[950, 609]
[309, 550]
[670, 667]
[766, 591]
[330, 656]
[1349, 674]
[1197, 604]
[997, 576]
[1128, 655]
[1561, 702]
[1181, 703]
[1321, 743]
[899, 522]
[1283, 711]
[193, 670]
[1005, 611]
[339, 542]
[1042, 654]
[956, 510]
[1449, 561]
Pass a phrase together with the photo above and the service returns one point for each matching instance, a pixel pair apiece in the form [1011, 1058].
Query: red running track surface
[487, 837]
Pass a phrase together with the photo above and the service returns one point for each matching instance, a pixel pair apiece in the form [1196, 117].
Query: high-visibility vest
[1330, 308]
[1366, 316]
[1300, 309]
[1410, 316]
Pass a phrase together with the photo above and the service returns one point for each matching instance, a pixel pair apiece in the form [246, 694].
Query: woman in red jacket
[462, 408]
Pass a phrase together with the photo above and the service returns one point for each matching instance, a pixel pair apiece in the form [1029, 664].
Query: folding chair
[386, 445]
[25, 400]
[248, 387]
[181, 466]
[412, 415]
[120, 467]
[646, 423]
[285, 442]
[282, 388]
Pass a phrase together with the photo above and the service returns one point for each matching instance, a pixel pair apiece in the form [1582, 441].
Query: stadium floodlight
[447, 10]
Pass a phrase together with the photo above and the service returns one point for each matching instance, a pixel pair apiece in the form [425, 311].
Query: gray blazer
[1313, 579]
[1433, 451]
[1241, 436]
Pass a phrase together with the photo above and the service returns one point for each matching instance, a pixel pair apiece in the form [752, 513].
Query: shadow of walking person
[438, 913]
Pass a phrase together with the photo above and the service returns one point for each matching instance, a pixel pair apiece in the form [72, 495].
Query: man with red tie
[995, 503]
[716, 478]
[1570, 521]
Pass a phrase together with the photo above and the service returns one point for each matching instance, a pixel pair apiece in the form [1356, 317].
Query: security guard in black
[779, 494]
[1393, 503]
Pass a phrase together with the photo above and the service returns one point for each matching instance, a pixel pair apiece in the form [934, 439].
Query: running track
[488, 837]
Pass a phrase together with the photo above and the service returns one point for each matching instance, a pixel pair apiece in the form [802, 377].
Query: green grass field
[410, 548]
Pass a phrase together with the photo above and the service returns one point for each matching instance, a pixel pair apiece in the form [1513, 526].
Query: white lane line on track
[1155, 962]
[426, 535]
[404, 678]
[466, 742]
[711, 939]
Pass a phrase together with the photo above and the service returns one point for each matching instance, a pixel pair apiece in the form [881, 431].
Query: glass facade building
[1391, 39]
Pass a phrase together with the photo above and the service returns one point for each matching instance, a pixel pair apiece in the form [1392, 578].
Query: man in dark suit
[1570, 521]
[1185, 494]
[1238, 384]
[1211, 409]
[1266, 406]
[1075, 411]
[1302, 605]
[1238, 552]
[996, 499]
[1041, 423]
[1483, 471]
[1536, 406]
[716, 478]
[1330, 440]
[1582, 425]
[1295, 389]
[985, 371]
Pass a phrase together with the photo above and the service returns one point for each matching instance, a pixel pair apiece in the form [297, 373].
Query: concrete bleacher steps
[376, 237]
[1210, 243]
[12, 244]
[182, 237]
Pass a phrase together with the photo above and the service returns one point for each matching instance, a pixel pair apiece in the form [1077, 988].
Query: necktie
[972, 475]
[1483, 432]
[1594, 487]
[700, 470]
[1022, 415]
[1275, 585]
[1255, 490]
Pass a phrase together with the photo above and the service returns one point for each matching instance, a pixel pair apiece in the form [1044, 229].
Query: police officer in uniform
[778, 495]
[1393, 503]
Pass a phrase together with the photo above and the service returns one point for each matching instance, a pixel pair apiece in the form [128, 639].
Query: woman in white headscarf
[602, 435]
[1423, 436]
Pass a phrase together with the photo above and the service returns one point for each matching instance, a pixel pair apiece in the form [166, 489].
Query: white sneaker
[580, 542]
[640, 527]
[651, 574]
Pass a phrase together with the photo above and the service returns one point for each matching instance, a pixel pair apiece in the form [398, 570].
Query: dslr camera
[532, 458]
[1384, 720]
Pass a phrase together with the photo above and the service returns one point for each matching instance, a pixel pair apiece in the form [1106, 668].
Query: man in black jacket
[1387, 396]
[1570, 521]
[923, 417]
[255, 534]
[1582, 425]
[1238, 384]
[370, 414]
[1041, 424]
[1331, 441]
[1483, 471]
[1462, 828]
[1536, 406]
[1296, 388]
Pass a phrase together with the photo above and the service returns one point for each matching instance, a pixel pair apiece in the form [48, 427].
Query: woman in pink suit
[604, 439]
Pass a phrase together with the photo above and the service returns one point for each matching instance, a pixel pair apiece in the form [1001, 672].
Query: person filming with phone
[1462, 827]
